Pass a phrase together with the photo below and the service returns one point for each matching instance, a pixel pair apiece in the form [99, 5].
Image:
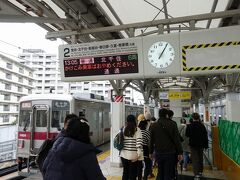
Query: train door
[40, 127]
[95, 119]
[100, 132]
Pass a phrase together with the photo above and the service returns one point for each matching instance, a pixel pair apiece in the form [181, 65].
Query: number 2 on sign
[66, 52]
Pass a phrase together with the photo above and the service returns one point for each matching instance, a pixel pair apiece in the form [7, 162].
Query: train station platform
[115, 173]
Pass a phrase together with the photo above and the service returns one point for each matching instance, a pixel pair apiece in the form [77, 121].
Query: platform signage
[102, 65]
[174, 95]
[210, 51]
[116, 59]
[199, 52]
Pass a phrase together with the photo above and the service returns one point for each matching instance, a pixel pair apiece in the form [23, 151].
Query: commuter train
[42, 116]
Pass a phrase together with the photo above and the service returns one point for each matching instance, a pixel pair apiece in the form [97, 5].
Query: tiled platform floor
[114, 173]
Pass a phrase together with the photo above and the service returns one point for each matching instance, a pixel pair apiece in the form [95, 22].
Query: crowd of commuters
[146, 140]
[164, 142]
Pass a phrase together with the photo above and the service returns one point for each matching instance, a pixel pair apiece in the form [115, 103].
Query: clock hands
[162, 51]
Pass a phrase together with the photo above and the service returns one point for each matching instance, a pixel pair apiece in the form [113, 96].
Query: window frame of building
[9, 65]
[8, 86]
[20, 89]
[5, 118]
[8, 76]
[7, 97]
[21, 70]
[20, 79]
[6, 107]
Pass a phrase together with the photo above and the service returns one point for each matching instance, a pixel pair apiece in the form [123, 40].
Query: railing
[8, 150]
[229, 136]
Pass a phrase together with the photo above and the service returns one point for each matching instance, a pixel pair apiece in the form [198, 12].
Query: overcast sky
[25, 35]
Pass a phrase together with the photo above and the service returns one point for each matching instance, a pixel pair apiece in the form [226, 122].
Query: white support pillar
[117, 121]
[176, 107]
[233, 106]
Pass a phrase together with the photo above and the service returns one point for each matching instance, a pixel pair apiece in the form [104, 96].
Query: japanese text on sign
[103, 65]
[179, 95]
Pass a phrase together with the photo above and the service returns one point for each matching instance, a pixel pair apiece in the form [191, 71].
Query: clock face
[161, 54]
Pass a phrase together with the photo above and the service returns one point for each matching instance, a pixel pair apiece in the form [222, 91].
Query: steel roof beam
[109, 6]
[212, 10]
[24, 19]
[200, 17]
[166, 13]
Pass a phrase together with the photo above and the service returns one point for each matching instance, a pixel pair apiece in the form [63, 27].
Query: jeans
[185, 159]
[166, 166]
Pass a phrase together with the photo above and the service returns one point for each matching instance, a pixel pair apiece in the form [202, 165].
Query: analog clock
[161, 54]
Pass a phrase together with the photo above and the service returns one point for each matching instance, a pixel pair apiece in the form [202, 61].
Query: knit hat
[148, 116]
[141, 117]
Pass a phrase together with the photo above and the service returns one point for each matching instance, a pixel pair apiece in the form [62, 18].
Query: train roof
[66, 97]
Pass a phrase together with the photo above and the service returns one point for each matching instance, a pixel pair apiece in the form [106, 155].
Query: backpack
[118, 140]
[43, 152]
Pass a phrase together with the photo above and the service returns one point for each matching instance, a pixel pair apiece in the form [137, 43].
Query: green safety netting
[229, 135]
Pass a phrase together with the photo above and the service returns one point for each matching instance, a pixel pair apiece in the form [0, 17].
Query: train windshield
[59, 112]
[24, 118]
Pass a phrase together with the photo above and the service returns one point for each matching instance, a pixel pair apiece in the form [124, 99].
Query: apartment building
[16, 80]
[47, 74]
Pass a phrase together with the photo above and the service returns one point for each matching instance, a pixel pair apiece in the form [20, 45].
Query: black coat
[197, 134]
[165, 137]
[70, 159]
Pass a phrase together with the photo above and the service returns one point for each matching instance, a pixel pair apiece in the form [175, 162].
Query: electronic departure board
[103, 60]
[101, 65]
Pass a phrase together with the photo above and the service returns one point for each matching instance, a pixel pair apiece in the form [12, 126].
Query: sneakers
[151, 175]
[197, 177]
[184, 169]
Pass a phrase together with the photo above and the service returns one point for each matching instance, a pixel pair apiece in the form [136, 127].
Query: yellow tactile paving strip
[103, 155]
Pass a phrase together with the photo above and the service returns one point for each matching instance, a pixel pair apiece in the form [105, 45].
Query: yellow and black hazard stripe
[204, 68]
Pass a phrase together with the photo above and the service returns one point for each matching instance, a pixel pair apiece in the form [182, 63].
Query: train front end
[39, 119]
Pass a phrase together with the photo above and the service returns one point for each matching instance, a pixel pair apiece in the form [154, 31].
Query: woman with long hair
[73, 157]
[132, 153]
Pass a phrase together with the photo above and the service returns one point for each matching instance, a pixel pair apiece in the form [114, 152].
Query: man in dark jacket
[166, 143]
[198, 140]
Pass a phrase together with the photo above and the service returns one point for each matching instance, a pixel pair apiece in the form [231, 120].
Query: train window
[24, 118]
[58, 118]
[41, 120]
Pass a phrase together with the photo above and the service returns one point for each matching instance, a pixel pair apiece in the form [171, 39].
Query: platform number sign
[66, 52]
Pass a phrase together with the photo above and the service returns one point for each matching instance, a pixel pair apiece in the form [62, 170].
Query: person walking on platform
[132, 152]
[166, 143]
[198, 140]
[185, 144]
[73, 157]
[146, 143]
[170, 117]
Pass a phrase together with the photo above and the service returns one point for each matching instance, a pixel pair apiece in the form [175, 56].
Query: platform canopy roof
[78, 21]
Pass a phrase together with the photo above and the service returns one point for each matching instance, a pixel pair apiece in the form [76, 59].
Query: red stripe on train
[37, 135]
